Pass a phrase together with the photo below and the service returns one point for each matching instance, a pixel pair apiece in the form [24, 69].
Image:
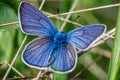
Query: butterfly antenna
[76, 18]
[58, 11]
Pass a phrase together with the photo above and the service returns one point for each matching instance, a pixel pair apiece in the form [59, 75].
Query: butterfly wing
[37, 53]
[34, 22]
[84, 37]
[66, 60]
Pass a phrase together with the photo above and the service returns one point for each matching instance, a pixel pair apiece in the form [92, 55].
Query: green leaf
[6, 45]
[60, 77]
[113, 67]
[7, 33]
[7, 15]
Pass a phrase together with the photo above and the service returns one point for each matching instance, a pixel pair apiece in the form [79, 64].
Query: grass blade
[113, 67]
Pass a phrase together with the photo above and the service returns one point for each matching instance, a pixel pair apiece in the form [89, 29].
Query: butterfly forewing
[84, 37]
[34, 22]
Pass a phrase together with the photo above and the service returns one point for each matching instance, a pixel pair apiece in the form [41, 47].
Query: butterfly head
[59, 37]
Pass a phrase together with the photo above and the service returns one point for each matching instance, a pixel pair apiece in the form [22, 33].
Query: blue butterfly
[54, 50]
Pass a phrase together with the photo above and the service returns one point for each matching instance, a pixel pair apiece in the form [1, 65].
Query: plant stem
[113, 67]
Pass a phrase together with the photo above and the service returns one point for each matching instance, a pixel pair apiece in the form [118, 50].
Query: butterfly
[54, 50]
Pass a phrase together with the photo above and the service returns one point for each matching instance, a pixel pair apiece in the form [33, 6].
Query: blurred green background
[11, 37]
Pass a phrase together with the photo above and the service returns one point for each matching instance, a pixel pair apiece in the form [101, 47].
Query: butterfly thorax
[59, 38]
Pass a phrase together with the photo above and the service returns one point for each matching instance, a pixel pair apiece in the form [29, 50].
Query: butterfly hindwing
[84, 37]
[37, 53]
[34, 22]
[66, 60]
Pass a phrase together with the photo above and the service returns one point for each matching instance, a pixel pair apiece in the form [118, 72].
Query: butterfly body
[58, 41]
[53, 49]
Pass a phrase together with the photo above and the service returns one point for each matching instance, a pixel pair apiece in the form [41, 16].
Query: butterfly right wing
[34, 22]
[37, 53]
[66, 59]
[84, 37]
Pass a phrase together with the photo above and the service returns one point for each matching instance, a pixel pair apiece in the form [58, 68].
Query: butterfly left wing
[37, 53]
[66, 59]
[34, 22]
[84, 37]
